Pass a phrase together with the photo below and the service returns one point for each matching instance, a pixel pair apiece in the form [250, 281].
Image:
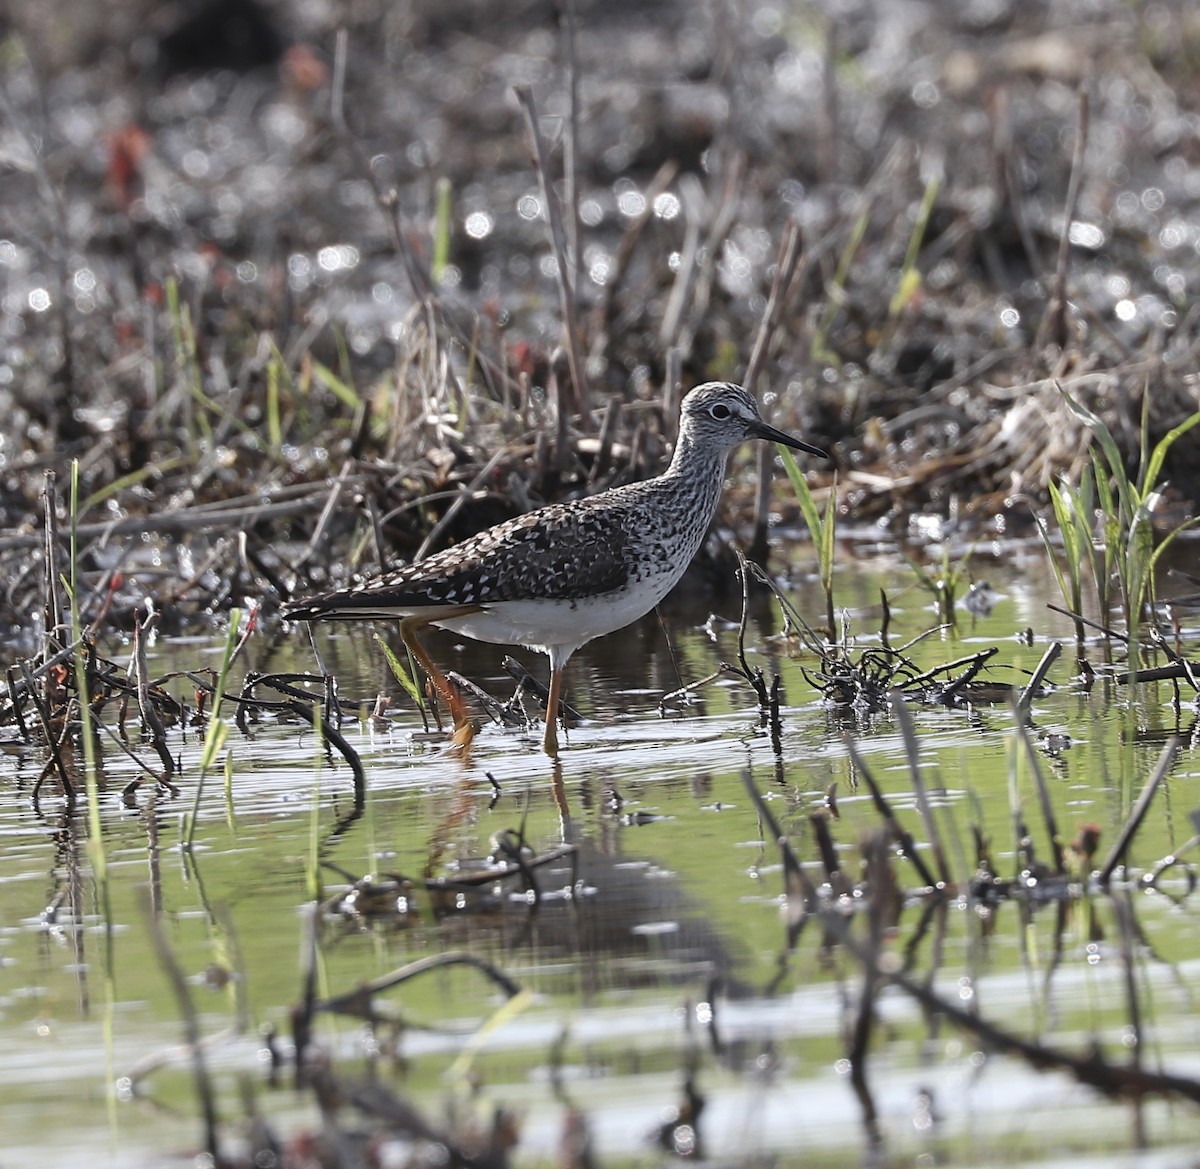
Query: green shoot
[909, 283]
[187, 359]
[230, 807]
[821, 527]
[218, 729]
[1073, 510]
[400, 673]
[340, 389]
[275, 371]
[837, 290]
[944, 586]
[441, 230]
[158, 467]
[1133, 501]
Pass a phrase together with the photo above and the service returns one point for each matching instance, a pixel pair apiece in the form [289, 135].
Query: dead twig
[566, 286]
[908, 735]
[358, 1002]
[152, 723]
[900, 834]
[191, 1030]
[1054, 323]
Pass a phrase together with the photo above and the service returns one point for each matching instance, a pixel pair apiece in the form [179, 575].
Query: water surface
[670, 954]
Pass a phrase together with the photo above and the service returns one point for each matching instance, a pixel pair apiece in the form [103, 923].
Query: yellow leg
[550, 740]
[463, 729]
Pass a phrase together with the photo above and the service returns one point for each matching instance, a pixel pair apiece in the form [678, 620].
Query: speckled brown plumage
[564, 574]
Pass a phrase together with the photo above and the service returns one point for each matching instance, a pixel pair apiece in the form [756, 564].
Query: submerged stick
[1112, 1080]
[191, 1031]
[908, 735]
[898, 832]
[795, 880]
[1039, 781]
[1053, 651]
[357, 1001]
[334, 736]
[878, 875]
[1127, 923]
[1092, 1069]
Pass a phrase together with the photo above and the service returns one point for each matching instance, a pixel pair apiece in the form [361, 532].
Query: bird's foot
[463, 734]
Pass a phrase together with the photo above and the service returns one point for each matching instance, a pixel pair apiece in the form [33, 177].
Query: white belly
[561, 626]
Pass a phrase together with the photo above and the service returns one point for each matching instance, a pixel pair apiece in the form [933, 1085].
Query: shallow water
[661, 958]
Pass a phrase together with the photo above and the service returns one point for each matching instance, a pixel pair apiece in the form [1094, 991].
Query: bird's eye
[719, 411]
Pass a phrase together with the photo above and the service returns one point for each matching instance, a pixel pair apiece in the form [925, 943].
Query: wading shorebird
[560, 576]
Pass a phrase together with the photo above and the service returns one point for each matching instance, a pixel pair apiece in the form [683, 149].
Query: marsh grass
[277, 374]
[187, 365]
[822, 528]
[820, 349]
[1104, 526]
[1083, 559]
[944, 584]
[340, 387]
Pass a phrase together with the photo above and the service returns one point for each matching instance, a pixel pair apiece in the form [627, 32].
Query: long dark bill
[762, 430]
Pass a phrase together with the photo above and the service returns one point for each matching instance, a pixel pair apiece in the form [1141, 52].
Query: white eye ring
[720, 411]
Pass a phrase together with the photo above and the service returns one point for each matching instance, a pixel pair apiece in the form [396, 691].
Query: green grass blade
[826, 546]
[275, 373]
[1052, 554]
[158, 467]
[1108, 445]
[441, 231]
[836, 294]
[342, 390]
[804, 497]
[910, 281]
[1161, 449]
[400, 673]
[218, 730]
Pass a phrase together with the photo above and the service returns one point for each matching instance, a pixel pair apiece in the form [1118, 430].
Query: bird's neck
[703, 469]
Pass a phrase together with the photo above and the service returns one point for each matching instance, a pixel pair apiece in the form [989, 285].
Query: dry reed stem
[566, 287]
[1054, 323]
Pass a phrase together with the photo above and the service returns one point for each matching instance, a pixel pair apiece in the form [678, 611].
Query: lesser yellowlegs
[562, 575]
